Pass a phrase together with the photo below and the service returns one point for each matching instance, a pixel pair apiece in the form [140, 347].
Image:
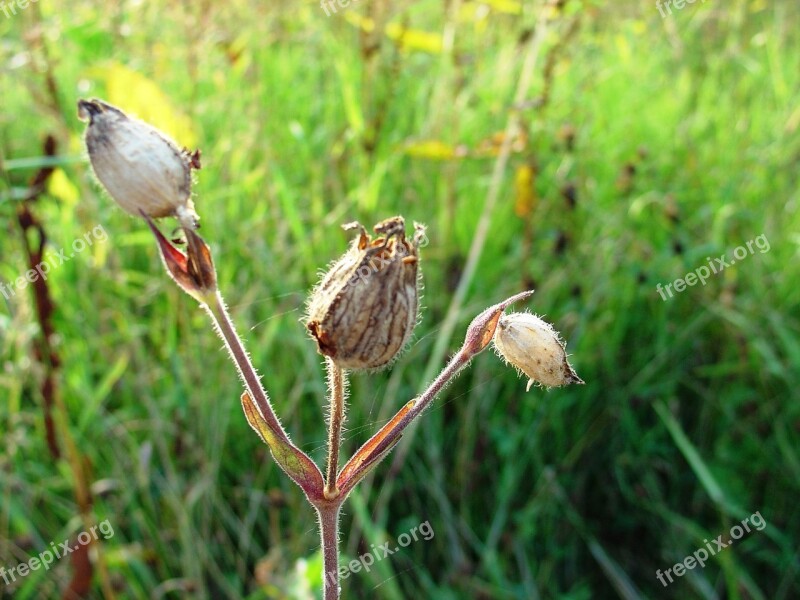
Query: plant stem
[216, 308]
[337, 384]
[327, 509]
[257, 408]
[329, 531]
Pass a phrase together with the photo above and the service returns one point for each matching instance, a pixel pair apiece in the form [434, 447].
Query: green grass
[689, 420]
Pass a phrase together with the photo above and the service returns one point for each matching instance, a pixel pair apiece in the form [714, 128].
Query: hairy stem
[216, 308]
[337, 383]
[329, 531]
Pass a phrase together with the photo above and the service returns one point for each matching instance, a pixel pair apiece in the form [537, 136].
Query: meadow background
[646, 145]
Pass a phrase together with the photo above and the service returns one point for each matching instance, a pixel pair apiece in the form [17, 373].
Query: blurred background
[589, 150]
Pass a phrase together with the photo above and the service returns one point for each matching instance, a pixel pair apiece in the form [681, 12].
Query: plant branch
[479, 335]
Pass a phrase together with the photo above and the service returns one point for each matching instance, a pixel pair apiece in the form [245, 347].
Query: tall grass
[685, 146]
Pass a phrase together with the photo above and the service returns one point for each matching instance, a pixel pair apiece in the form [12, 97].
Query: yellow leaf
[434, 150]
[407, 39]
[477, 14]
[415, 39]
[143, 98]
[525, 184]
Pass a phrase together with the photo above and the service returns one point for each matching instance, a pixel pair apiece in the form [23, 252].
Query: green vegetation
[678, 139]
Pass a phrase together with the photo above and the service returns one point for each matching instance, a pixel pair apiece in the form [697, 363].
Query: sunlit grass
[530, 495]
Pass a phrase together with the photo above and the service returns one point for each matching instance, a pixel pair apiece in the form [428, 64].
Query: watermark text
[9, 9]
[665, 6]
[56, 552]
[53, 261]
[701, 555]
[715, 266]
[377, 553]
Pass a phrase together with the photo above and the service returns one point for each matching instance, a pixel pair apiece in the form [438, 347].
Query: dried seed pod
[141, 167]
[365, 308]
[535, 348]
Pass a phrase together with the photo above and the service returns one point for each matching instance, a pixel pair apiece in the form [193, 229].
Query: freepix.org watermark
[331, 5]
[45, 558]
[701, 555]
[53, 261]
[668, 4]
[10, 8]
[377, 553]
[715, 266]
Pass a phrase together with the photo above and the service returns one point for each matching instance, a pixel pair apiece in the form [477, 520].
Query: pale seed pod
[363, 311]
[142, 169]
[535, 348]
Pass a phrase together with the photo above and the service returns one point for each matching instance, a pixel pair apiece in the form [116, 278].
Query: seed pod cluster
[363, 311]
[143, 170]
[535, 348]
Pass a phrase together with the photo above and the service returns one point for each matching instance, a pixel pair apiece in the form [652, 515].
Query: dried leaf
[193, 272]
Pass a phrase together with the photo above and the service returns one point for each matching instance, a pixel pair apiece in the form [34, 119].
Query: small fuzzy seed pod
[142, 169]
[535, 348]
[363, 312]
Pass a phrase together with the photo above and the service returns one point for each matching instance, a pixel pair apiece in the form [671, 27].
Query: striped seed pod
[363, 311]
